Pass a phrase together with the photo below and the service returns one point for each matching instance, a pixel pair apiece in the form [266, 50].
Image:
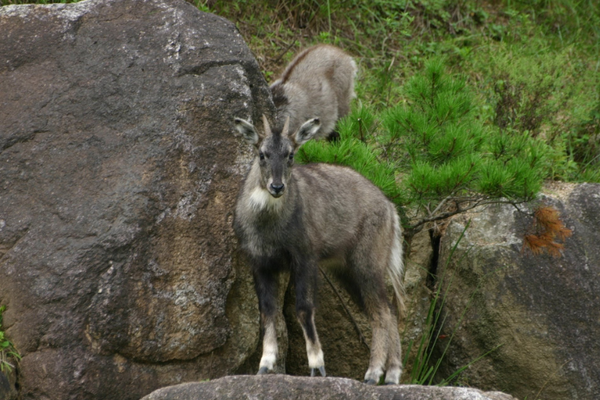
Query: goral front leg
[269, 355]
[305, 275]
[266, 290]
[316, 360]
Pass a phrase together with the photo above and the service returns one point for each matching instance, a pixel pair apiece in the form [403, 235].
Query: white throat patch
[261, 199]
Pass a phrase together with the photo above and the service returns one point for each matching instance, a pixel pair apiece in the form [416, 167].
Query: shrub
[432, 155]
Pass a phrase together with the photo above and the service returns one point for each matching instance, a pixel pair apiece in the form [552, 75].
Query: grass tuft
[9, 356]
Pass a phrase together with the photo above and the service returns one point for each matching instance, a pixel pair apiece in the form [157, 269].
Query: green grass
[9, 356]
[533, 66]
[424, 368]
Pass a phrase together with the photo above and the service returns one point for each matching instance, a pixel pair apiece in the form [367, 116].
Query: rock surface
[543, 312]
[119, 169]
[7, 386]
[275, 387]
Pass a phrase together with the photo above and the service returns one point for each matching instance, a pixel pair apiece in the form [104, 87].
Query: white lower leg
[379, 351]
[313, 349]
[392, 376]
[394, 362]
[269, 355]
[373, 374]
[315, 355]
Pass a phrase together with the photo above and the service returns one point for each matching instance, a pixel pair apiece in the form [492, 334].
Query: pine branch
[484, 201]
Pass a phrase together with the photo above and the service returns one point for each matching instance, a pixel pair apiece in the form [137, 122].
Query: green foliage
[532, 67]
[570, 20]
[353, 151]
[434, 148]
[584, 142]
[8, 353]
[546, 93]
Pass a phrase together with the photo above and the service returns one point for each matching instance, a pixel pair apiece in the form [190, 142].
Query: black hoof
[391, 383]
[313, 371]
[263, 371]
[371, 382]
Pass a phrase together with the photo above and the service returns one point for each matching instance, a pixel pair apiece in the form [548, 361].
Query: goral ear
[307, 131]
[247, 130]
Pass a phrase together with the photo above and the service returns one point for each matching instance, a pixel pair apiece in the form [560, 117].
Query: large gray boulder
[540, 313]
[276, 387]
[118, 173]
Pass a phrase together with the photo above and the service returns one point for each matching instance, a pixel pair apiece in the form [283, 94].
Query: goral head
[275, 150]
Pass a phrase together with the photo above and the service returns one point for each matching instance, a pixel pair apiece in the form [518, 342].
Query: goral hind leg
[394, 358]
[377, 308]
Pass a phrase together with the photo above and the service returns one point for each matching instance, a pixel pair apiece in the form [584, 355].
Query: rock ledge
[273, 387]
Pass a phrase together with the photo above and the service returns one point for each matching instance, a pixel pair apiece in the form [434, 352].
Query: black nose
[277, 188]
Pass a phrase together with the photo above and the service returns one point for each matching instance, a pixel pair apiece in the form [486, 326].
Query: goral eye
[291, 155]
[261, 155]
